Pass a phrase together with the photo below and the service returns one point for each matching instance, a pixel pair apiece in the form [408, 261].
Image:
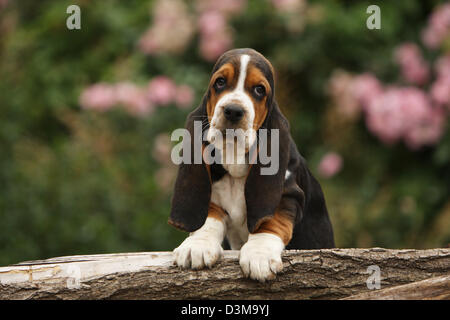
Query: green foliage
[78, 182]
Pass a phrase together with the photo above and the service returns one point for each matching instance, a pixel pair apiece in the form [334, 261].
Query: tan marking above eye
[227, 71]
[256, 77]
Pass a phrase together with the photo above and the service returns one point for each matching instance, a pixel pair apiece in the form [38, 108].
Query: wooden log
[437, 288]
[307, 274]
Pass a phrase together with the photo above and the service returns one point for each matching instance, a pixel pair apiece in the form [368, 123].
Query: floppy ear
[192, 192]
[263, 192]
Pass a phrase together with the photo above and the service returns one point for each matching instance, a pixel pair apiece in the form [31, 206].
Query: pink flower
[232, 6]
[442, 66]
[427, 131]
[438, 27]
[99, 97]
[294, 14]
[288, 5]
[133, 98]
[431, 39]
[172, 28]
[340, 87]
[440, 91]
[384, 116]
[366, 88]
[215, 34]
[3, 4]
[353, 93]
[416, 106]
[211, 23]
[161, 90]
[339, 83]
[396, 110]
[211, 47]
[184, 96]
[224, 6]
[413, 67]
[150, 43]
[330, 164]
[405, 113]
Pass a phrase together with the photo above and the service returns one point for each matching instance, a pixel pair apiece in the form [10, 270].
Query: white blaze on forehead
[239, 96]
[242, 71]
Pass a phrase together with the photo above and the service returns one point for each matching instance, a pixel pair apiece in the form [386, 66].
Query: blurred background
[86, 115]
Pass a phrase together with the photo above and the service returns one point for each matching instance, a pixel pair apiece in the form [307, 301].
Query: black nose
[233, 112]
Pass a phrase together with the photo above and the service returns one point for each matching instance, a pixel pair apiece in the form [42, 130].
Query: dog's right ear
[192, 192]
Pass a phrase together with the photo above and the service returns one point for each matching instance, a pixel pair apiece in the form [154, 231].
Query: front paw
[260, 257]
[198, 252]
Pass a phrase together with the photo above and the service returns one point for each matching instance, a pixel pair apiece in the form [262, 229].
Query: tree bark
[437, 288]
[307, 274]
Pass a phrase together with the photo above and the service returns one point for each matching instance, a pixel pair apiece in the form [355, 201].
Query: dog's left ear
[263, 192]
[192, 192]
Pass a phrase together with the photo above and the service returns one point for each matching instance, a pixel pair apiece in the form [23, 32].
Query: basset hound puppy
[258, 214]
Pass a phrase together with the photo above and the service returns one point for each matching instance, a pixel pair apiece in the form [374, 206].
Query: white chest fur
[228, 193]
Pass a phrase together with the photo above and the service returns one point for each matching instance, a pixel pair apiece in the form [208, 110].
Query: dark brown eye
[260, 91]
[220, 83]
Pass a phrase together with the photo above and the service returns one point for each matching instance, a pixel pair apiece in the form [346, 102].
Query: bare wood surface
[437, 288]
[307, 274]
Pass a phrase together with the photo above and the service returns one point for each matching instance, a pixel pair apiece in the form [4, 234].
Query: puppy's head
[240, 94]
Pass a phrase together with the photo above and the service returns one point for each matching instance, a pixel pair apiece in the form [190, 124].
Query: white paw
[260, 257]
[198, 252]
